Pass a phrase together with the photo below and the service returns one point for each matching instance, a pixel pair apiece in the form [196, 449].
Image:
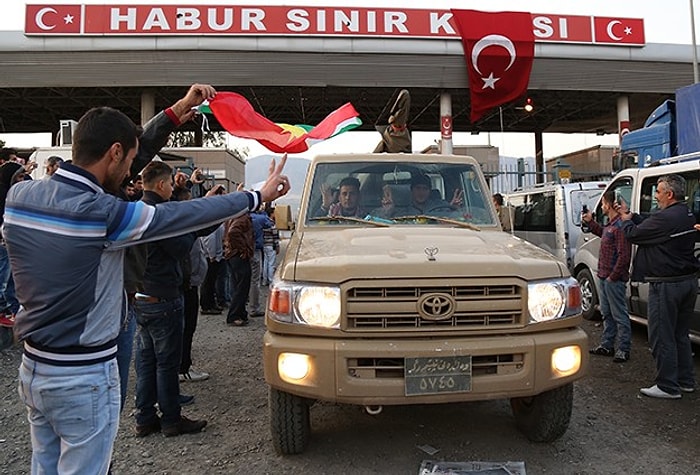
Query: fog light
[293, 367]
[566, 360]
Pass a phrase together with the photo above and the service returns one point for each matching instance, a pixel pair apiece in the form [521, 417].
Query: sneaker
[186, 400]
[193, 375]
[143, 430]
[621, 356]
[602, 351]
[657, 392]
[687, 389]
[185, 426]
[7, 321]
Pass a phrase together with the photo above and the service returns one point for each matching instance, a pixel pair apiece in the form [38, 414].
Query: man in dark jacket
[665, 259]
[160, 319]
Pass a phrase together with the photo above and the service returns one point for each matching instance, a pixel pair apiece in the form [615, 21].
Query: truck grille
[395, 308]
[393, 368]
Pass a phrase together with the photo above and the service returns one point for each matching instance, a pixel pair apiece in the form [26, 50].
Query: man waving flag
[499, 48]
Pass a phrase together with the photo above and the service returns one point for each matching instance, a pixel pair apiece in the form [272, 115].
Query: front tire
[545, 417]
[589, 295]
[289, 422]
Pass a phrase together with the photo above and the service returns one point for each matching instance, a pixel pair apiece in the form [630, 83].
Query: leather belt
[147, 298]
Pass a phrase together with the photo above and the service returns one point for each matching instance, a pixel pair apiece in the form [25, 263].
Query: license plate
[437, 375]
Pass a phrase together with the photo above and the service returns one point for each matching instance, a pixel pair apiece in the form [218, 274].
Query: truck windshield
[393, 192]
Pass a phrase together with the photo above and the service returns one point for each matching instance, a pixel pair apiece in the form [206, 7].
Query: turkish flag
[619, 30]
[499, 48]
[52, 19]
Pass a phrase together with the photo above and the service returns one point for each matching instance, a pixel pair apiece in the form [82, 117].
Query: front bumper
[371, 372]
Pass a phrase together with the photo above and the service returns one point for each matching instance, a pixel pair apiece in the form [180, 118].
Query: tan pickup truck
[399, 287]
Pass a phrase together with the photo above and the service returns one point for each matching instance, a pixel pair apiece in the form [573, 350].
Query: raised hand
[276, 184]
[327, 194]
[456, 198]
[387, 198]
[197, 94]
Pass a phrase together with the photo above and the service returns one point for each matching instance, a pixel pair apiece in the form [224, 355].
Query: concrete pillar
[148, 106]
[623, 115]
[445, 123]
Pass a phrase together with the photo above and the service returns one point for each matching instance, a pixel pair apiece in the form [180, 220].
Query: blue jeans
[125, 346]
[671, 307]
[270, 264]
[8, 300]
[616, 319]
[73, 413]
[158, 354]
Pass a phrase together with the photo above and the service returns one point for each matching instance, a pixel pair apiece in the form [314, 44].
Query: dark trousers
[191, 296]
[240, 286]
[209, 295]
[158, 354]
[671, 306]
[223, 285]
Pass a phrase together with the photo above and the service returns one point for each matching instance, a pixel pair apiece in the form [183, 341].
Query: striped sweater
[66, 238]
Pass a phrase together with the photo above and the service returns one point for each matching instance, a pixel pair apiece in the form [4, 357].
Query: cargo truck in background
[672, 129]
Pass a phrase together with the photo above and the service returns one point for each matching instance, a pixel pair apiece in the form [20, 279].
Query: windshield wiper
[352, 219]
[414, 217]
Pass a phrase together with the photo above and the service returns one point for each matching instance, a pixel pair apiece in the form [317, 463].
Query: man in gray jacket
[72, 295]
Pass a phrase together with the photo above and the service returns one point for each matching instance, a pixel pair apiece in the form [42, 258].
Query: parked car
[636, 186]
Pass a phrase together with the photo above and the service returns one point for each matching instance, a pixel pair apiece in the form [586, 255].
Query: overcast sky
[665, 22]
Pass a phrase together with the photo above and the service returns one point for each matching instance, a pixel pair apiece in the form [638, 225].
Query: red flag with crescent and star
[499, 48]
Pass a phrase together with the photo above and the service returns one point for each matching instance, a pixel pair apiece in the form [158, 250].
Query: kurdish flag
[237, 116]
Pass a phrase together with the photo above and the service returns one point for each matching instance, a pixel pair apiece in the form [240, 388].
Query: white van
[549, 215]
[41, 154]
[637, 187]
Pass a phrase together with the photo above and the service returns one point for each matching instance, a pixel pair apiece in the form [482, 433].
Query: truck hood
[336, 256]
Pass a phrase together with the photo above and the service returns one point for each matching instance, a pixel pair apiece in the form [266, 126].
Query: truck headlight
[319, 306]
[553, 299]
[313, 305]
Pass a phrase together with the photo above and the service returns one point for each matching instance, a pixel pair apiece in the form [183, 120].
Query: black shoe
[186, 400]
[211, 311]
[142, 430]
[602, 351]
[621, 356]
[185, 426]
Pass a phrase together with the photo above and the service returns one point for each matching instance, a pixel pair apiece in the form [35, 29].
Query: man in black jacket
[665, 259]
[160, 319]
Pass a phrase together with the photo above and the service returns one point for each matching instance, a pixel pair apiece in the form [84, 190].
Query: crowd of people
[137, 249]
[129, 249]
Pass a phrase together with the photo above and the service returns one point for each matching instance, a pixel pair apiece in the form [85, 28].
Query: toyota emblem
[436, 306]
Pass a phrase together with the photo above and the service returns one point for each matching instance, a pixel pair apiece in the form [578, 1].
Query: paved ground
[614, 430]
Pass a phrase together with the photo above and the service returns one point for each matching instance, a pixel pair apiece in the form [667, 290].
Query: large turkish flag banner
[499, 48]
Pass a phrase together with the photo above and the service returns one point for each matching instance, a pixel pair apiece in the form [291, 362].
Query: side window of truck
[540, 213]
[517, 202]
[623, 192]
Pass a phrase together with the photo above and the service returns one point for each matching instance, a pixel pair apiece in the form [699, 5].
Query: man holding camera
[613, 272]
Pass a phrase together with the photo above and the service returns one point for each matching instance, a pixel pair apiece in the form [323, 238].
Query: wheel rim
[586, 295]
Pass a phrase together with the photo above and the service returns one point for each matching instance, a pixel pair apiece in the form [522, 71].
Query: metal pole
[695, 47]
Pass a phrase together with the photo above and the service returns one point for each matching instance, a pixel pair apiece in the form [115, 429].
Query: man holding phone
[613, 272]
